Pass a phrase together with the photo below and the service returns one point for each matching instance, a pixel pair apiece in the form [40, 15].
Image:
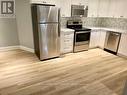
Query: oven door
[82, 38]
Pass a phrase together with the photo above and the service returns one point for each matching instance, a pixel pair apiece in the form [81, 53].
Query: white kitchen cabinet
[79, 2]
[93, 7]
[103, 8]
[124, 8]
[114, 10]
[107, 8]
[94, 39]
[121, 6]
[123, 46]
[102, 38]
[65, 8]
[67, 40]
[75, 2]
[97, 38]
[43, 1]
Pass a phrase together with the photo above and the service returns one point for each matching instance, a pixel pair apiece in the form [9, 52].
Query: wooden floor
[92, 72]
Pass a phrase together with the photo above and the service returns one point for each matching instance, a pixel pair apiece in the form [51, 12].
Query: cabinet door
[67, 40]
[123, 46]
[79, 2]
[84, 2]
[42, 1]
[116, 8]
[122, 5]
[97, 38]
[65, 8]
[124, 8]
[93, 6]
[103, 8]
[94, 38]
[75, 2]
[102, 38]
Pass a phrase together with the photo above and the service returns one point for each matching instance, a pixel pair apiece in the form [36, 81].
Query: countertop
[99, 28]
[107, 29]
[67, 29]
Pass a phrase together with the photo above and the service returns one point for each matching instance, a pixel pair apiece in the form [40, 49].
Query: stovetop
[77, 27]
[81, 29]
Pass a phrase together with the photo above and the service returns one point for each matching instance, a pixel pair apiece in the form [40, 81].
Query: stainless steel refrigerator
[46, 30]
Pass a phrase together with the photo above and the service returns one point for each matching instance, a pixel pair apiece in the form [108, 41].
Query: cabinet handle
[44, 1]
[121, 16]
[115, 34]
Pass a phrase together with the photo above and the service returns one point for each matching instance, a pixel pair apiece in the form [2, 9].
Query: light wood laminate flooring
[93, 72]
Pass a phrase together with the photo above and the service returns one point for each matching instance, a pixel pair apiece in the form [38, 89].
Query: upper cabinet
[124, 8]
[65, 8]
[79, 2]
[107, 8]
[117, 8]
[64, 5]
[43, 1]
[93, 7]
[103, 8]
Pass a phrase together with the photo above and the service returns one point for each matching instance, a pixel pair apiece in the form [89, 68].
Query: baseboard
[27, 49]
[9, 48]
[16, 47]
[121, 55]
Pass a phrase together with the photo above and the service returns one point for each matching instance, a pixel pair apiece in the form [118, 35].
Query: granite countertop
[107, 29]
[99, 28]
[67, 29]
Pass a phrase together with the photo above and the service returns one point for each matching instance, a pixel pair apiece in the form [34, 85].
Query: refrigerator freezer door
[47, 14]
[49, 41]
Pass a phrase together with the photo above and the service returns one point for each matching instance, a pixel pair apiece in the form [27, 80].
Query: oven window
[81, 37]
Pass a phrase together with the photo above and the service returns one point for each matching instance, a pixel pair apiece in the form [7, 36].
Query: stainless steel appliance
[82, 35]
[125, 89]
[79, 11]
[46, 30]
[112, 42]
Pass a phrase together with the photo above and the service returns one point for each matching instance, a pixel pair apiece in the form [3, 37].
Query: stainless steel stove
[82, 35]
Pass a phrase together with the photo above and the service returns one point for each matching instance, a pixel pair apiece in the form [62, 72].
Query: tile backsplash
[120, 23]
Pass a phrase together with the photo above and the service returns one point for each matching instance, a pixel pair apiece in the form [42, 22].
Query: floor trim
[16, 47]
[9, 48]
[121, 55]
[27, 49]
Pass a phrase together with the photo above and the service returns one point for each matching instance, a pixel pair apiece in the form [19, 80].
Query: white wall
[8, 32]
[24, 23]
[17, 31]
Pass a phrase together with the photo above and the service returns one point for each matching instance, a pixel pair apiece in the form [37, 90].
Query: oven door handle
[83, 32]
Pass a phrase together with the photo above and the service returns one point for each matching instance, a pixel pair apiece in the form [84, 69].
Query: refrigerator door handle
[59, 30]
[59, 26]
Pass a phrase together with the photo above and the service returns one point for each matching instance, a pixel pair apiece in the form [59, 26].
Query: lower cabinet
[102, 38]
[97, 38]
[123, 45]
[67, 40]
[94, 38]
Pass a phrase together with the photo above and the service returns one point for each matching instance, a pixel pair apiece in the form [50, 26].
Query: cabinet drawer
[68, 36]
[68, 41]
[68, 49]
